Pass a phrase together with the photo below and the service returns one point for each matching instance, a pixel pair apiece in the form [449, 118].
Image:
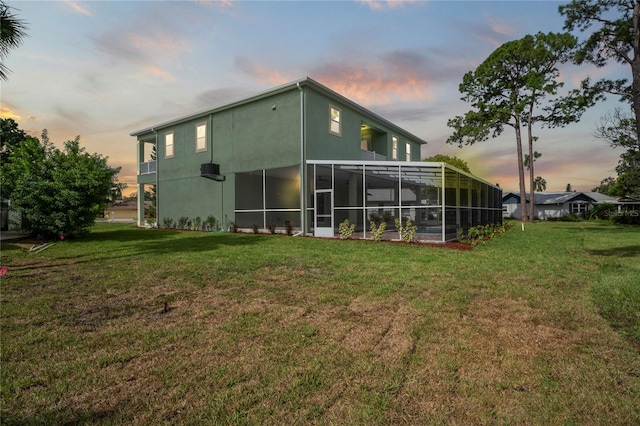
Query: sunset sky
[103, 69]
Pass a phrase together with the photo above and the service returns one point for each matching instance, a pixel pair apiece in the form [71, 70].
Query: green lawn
[143, 327]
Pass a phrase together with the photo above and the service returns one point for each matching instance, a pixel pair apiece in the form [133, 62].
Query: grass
[144, 327]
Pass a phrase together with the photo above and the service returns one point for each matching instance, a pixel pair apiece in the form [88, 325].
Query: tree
[568, 188]
[12, 31]
[516, 86]
[57, 192]
[527, 159]
[451, 160]
[607, 187]
[540, 184]
[619, 131]
[613, 27]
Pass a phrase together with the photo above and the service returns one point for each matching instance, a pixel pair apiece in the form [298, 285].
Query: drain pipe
[157, 186]
[303, 210]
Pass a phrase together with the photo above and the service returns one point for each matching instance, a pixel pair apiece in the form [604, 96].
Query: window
[334, 121]
[201, 137]
[168, 145]
[394, 148]
[408, 145]
[578, 209]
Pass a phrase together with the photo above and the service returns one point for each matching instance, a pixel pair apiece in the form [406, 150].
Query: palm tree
[12, 31]
[540, 184]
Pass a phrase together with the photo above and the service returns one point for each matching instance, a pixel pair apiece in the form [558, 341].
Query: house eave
[277, 90]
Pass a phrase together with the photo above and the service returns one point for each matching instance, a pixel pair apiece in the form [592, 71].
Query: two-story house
[305, 155]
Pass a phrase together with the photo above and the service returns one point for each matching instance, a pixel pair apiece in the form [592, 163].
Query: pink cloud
[385, 4]
[78, 9]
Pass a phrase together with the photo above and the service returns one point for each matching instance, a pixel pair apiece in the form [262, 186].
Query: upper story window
[394, 148]
[408, 145]
[201, 137]
[335, 126]
[168, 145]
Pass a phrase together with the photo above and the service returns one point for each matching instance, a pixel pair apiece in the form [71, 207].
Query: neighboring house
[10, 220]
[125, 209]
[629, 203]
[301, 154]
[554, 204]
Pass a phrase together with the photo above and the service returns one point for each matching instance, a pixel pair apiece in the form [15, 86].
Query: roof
[294, 85]
[563, 197]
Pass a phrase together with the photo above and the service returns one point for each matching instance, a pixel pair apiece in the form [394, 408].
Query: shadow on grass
[136, 243]
[62, 417]
[625, 251]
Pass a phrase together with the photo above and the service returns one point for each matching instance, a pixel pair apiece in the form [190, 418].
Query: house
[303, 155]
[555, 204]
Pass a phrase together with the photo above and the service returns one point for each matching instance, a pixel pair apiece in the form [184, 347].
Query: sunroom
[442, 201]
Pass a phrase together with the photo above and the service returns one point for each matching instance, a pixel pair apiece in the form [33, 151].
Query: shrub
[211, 223]
[479, 234]
[567, 218]
[255, 229]
[271, 226]
[602, 211]
[407, 232]
[182, 222]
[377, 231]
[167, 222]
[196, 223]
[346, 229]
[626, 217]
[289, 227]
[233, 227]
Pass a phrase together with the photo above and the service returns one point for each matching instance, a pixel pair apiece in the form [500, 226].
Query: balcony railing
[148, 168]
[372, 156]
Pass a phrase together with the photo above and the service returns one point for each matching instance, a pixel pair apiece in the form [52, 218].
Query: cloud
[76, 7]
[166, 75]
[220, 4]
[218, 97]
[396, 75]
[7, 112]
[151, 47]
[385, 4]
[261, 72]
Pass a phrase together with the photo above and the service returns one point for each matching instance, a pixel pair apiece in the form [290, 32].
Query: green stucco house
[305, 156]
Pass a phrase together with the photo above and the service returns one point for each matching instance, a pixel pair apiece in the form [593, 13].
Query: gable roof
[563, 197]
[294, 85]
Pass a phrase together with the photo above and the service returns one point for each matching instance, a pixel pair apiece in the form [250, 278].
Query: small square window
[408, 145]
[334, 121]
[168, 145]
[201, 137]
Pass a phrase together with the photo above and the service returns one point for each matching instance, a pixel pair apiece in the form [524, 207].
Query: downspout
[444, 211]
[210, 130]
[303, 186]
[157, 186]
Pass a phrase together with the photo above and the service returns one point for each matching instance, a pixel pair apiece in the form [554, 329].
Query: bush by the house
[346, 229]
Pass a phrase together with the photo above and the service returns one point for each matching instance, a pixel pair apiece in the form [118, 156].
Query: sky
[103, 69]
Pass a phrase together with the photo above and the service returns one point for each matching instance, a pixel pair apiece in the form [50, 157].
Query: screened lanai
[442, 201]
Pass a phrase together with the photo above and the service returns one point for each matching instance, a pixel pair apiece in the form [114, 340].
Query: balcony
[148, 168]
[371, 156]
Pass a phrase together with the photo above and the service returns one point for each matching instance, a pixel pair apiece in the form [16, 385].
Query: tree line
[518, 87]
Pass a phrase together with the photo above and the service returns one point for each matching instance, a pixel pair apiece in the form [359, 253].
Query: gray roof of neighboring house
[284, 88]
[563, 197]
